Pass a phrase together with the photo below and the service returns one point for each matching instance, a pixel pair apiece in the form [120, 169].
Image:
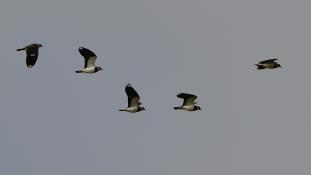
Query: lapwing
[189, 102]
[89, 61]
[32, 52]
[270, 64]
[133, 100]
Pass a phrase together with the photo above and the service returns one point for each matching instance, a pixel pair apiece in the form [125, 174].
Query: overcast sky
[56, 122]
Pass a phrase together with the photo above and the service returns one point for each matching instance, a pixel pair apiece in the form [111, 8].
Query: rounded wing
[188, 98]
[31, 60]
[268, 61]
[133, 97]
[32, 52]
[89, 57]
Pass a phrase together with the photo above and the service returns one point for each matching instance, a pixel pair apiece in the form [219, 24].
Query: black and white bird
[32, 52]
[189, 102]
[133, 100]
[89, 61]
[270, 64]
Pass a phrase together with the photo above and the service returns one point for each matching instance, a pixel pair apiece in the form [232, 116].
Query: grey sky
[253, 122]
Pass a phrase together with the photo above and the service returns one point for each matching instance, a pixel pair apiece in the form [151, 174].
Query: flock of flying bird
[189, 103]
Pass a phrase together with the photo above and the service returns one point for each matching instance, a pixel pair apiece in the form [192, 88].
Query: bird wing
[188, 98]
[89, 57]
[31, 56]
[267, 61]
[31, 60]
[133, 97]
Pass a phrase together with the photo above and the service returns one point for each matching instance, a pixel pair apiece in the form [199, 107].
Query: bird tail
[78, 71]
[179, 107]
[121, 109]
[20, 49]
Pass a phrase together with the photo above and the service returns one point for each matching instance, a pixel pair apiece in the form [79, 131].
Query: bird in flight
[133, 100]
[32, 52]
[189, 102]
[270, 64]
[89, 61]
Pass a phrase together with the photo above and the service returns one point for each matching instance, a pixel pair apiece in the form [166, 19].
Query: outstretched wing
[268, 61]
[89, 57]
[188, 98]
[32, 52]
[133, 97]
[31, 60]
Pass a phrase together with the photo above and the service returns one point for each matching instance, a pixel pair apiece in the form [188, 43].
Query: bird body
[89, 70]
[189, 102]
[133, 100]
[89, 61]
[187, 108]
[268, 64]
[32, 52]
[133, 109]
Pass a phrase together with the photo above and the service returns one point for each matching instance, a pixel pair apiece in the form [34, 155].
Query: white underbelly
[132, 109]
[89, 70]
[270, 66]
[188, 108]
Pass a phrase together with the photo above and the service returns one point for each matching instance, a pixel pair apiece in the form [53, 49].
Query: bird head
[198, 108]
[142, 109]
[98, 69]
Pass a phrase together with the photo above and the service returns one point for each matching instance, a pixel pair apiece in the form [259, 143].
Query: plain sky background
[56, 122]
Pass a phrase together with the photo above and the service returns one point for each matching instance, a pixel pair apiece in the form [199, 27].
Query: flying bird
[89, 61]
[32, 52]
[133, 100]
[189, 102]
[270, 64]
